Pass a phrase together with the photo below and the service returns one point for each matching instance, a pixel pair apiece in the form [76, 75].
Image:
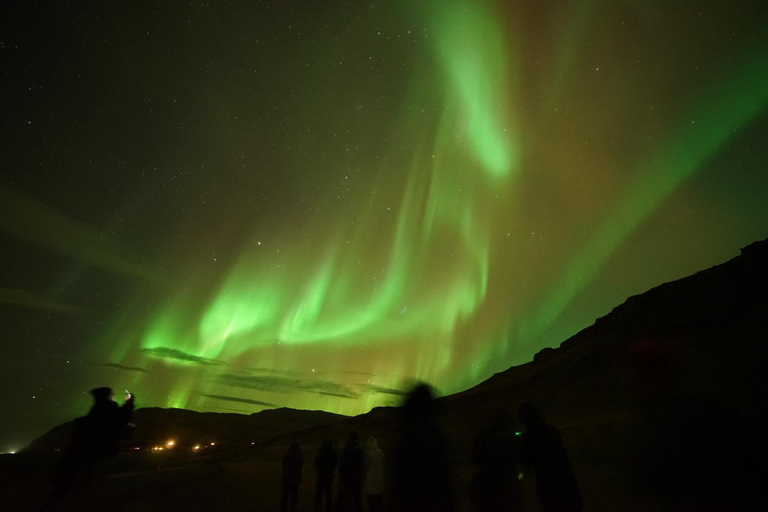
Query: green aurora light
[312, 209]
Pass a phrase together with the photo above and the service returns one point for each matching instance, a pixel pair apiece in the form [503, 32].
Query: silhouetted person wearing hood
[495, 487]
[293, 462]
[325, 467]
[543, 449]
[351, 470]
[374, 476]
[422, 475]
[95, 439]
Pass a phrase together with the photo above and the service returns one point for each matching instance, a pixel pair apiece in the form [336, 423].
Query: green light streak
[257, 303]
[580, 14]
[470, 45]
[375, 281]
[251, 298]
[704, 131]
[27, 219]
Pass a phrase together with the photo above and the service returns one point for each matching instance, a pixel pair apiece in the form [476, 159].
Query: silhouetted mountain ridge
[709, 330]
[156, 425]
[711, 325]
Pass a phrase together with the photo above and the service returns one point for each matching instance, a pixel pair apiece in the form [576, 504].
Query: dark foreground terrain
[661, 405]
[251, 485]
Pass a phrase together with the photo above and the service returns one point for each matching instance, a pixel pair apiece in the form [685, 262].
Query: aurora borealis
[312, 204]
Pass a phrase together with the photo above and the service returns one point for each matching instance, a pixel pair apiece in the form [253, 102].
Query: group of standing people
[360, 473]
[421, 477]
[421, 480]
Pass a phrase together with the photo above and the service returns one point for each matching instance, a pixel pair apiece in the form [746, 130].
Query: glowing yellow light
[170, 444]
[196, 447]
[213, 444]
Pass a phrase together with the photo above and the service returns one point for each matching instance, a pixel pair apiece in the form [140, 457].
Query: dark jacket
[422, 478]
[556, 487]
[325, 463]
[352, 462]
[293, 462]
[495, 485]
[97, 436]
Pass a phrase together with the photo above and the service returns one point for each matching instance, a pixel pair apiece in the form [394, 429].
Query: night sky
[228, 207]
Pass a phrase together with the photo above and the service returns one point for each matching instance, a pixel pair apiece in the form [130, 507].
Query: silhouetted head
[295, 447]
[353, 436]
[419, 402]
[529, 416]
[102, 394]
[372, 444]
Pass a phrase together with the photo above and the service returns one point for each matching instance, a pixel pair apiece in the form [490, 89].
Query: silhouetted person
[495, 487]
[422, 476]
[351, 469]
[374, 476]
[325, 467]
[543, 449]
[95, 439]
[293, 462]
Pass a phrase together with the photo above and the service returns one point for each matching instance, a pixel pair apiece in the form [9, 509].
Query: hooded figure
[95, 438]
[422, 478]
[293, 462]
[325, 467]
[495, 487]
[106, 425]
[543, 449]
[351, 469]
[374, 476]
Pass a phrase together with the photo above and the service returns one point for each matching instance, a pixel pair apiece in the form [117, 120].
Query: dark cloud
[293, 373]
[338, 395]
[123, 367]
[287, 381]
[386, 391]
[283, 384]
[239, 400]
[272, 371]
[178, 355]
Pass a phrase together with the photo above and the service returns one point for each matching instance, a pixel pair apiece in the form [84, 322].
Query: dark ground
[250, 482]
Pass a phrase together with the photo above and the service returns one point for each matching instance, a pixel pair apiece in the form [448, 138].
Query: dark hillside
[155, 425]
[671, 382]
